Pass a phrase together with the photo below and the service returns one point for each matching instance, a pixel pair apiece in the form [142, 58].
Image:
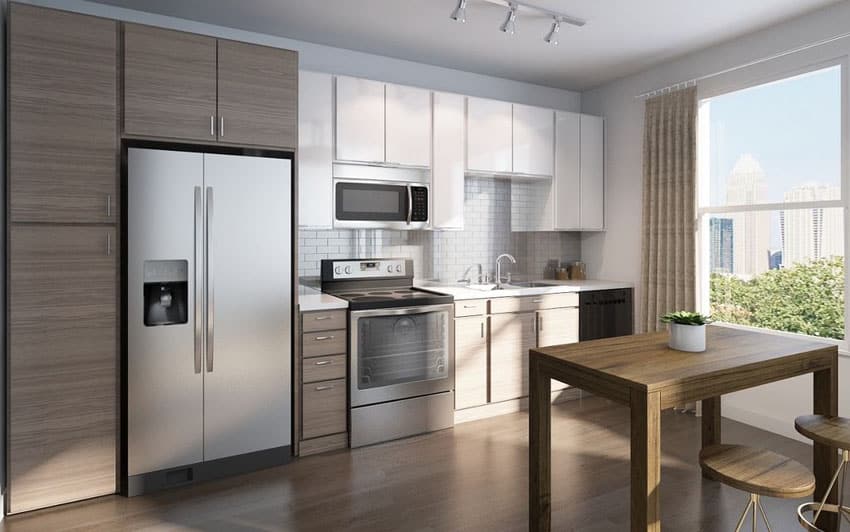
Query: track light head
[459, 14]
[509, 26]
[552, 36]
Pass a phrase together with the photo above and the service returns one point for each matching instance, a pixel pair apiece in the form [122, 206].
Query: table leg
[540, 449]
[711, 434]
[825, 458]
[646, 461]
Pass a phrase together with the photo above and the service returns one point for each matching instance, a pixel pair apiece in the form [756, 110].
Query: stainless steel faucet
[465, 277]
[499, 268]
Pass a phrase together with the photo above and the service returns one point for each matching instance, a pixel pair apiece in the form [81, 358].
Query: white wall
[340, 61]
[616, 253]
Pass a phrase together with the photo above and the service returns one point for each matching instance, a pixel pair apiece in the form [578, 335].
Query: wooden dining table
[643, 373]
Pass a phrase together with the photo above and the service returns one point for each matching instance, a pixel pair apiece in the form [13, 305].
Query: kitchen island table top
[641, 371]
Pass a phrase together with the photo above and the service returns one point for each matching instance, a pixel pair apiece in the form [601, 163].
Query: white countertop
[558, 287]
[310, 299]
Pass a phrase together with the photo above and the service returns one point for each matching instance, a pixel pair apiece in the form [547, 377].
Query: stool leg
[845, 455]
[746, 511]
[764, 516]
[756, 504]
[838, 472]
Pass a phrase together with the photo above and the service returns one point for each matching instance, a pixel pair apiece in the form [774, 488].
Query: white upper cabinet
[567, 171]
[447, 180]
[408, 126]
[315, 150]
[592, 173]
[489, 143]
[359, 120]
[533, 140]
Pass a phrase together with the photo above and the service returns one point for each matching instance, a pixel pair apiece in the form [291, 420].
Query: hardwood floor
[470, 478]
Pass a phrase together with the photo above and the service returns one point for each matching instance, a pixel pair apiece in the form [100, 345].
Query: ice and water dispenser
[166, 286]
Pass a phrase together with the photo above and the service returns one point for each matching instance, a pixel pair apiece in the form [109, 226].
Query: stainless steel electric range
[401, 346]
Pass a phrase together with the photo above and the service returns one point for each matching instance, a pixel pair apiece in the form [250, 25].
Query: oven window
[371, 202]
[402, 349]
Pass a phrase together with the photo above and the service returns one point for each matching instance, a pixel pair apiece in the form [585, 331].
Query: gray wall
[444, 255]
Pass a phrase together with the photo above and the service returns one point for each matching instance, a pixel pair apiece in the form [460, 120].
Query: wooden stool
[758, 472]
[833, 432]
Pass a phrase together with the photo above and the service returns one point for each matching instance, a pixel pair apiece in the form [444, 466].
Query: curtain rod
[693, 81]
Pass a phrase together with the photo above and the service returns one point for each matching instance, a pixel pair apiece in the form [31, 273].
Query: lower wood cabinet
[470, 361]
[511, 337]
[63, 360]
[324, 408]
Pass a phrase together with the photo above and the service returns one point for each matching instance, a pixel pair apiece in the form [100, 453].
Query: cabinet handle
[212, 125]
[323, 388]
[539, 323]
[320, 338]
[108, 244]
[109, 205]
[469, 306]
[482, 329]
[537, 301]
[323, 362]
[221, 126]
[322, 318]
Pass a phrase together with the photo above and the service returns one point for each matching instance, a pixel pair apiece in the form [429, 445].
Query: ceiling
[621, 37]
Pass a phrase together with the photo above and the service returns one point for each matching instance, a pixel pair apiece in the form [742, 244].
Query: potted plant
[687, 330]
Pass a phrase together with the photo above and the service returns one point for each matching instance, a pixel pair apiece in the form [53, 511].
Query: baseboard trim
[509, 407]
[761, 421]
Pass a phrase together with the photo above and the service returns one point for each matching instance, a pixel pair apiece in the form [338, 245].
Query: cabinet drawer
[323, 343]
[324, 368]
[324, 409]
[529, 303]
[323, 321]
[471, 307]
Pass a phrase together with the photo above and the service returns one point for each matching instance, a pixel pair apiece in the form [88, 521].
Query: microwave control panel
[419, 196]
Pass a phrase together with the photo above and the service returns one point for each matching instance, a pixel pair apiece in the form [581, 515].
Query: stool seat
[757, 471]
[827, 430]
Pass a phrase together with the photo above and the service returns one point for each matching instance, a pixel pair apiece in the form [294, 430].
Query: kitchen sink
[529, 284]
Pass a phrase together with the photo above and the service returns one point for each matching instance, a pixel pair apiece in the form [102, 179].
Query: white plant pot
[687, 337]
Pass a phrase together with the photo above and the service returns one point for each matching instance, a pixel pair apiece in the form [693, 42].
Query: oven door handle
[409, 204]
[355, 314]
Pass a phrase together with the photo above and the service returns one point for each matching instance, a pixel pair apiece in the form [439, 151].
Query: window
[770, 206]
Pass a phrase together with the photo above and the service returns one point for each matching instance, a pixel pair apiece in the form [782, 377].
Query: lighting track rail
[514, 8]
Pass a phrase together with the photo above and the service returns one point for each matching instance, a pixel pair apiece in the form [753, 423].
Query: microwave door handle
[409, 204]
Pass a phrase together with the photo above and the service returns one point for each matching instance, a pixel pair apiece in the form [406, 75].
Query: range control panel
[365, 269]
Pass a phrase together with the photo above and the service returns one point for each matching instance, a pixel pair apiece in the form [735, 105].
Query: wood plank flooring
[470, 478]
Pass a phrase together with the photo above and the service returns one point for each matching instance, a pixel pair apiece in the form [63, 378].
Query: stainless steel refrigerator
[209, 314]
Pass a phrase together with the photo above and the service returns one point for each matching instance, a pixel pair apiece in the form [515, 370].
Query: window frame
[704, 210]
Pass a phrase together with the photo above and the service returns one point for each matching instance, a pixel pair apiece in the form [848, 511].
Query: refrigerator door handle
[199, 279]
[210, 284]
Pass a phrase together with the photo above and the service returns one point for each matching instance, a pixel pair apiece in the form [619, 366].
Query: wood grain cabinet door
[169, 84]
[470, 361]
[63, 127]
[511, 337]
[63, 358]
[257, 95]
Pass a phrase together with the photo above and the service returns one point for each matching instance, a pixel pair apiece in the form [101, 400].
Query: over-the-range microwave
[370, 197]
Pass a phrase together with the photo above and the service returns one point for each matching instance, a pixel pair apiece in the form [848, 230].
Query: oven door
[401, 353]
[360, 204]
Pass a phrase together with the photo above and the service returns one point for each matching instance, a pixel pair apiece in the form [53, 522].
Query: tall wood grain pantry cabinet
[183, 86]
[63, 257]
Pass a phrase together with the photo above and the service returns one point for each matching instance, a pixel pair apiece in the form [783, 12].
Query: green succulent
[684, 317]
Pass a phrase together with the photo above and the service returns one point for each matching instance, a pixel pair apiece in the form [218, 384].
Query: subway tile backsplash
[445, 255]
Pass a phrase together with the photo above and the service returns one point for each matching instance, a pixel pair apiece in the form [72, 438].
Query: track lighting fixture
[552, 36]
[509, 25]
[459, 14]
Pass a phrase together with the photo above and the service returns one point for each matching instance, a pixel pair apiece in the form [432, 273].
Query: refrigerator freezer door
[247, 389]
[165, 393]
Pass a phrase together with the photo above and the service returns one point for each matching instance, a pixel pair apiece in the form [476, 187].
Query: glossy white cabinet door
[408, 126]
[447, 179]
[592, 172]
[533, 140]
[567, 171]
[359, 120]
[489, 140]
[315, 150]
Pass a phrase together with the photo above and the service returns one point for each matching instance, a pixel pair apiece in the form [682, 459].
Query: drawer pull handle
[537, 301]
[322, 318]
[323, 388]
[323, 362]
[469, 306]
[320, 338]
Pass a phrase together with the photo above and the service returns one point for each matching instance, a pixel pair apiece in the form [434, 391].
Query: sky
[792, 127]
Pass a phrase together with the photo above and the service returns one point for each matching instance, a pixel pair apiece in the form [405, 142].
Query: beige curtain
[669, 181]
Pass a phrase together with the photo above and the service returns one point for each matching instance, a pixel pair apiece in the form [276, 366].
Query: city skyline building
[721, 234]
[811, 234]
[747, 185]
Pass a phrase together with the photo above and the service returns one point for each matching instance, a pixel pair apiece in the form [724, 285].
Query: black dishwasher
[605, 313]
